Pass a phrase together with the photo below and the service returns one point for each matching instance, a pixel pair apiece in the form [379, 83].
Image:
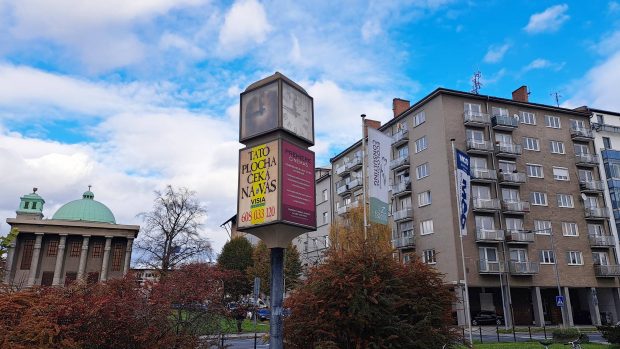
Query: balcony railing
[403, 242]
[524, 268]
[512, 178]
[342, 169]
[354, 163]
[587, 160]
[607, 270]
[355, 183]
[519, 236]
[341, 210]
[402, 161]
[472, 118]
[518, 207]
[400, 137]
[402, 188]
[483, 174]
[485, 204]
[508, 149]
[475, 146]
[591, 186]
[581, 134]
[506, 123]
[596, 213]
[601, 240]
[345, 208]
[404, 214]
[341, 187]
[489, 235]
[490, 267]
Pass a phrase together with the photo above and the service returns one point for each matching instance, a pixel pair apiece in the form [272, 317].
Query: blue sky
[131, 96]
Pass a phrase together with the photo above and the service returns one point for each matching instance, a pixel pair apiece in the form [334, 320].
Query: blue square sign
[559, 301]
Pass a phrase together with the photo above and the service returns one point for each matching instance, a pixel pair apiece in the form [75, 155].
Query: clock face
[259, 111]
[297, 112]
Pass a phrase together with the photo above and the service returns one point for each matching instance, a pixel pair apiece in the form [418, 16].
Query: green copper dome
[86, 209]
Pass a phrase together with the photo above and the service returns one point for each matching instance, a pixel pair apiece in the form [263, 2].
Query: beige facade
[535, 179]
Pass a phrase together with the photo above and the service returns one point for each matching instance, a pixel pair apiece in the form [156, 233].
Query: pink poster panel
[298, 198]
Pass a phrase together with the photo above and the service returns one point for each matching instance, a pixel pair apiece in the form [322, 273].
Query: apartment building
[538, 225]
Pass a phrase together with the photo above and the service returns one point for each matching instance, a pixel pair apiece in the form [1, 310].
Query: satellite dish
[584, 197]
[515, 116]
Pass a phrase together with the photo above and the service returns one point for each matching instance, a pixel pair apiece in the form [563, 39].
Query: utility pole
[557, 97]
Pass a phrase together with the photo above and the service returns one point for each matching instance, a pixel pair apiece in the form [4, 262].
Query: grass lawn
[534, 345]
[230, 326]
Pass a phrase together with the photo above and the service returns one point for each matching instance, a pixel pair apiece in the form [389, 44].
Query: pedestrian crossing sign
[559, 301]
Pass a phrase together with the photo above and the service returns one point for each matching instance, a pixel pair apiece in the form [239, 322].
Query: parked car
[486, 317]
[263, 314]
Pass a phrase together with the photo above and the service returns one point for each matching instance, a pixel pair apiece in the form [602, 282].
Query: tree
[361, 297]
[261, 266]
[292, 267]
[171, 232]
[236, 255]
[5, 243]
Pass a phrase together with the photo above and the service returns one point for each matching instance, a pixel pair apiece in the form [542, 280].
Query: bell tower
[31, 206]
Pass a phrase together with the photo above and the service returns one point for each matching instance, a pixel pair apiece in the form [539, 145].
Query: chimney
[372, 124]
[520, 94]
[399, 106]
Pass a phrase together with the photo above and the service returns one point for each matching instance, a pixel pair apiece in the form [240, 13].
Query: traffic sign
[559, 301]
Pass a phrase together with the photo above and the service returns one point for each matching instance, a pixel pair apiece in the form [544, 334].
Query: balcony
[403, 242]
[515, 207]
[591, 186]
[341, 187]
[405, 214]
[400, 163]
[601, 241]
[483, 175]
[504, 123]
[489, 235]
[608, 271]
[581, 134]
[490, 267]
[354, 163]
[514, 236]
[485, 205]
[587, 160]
[402, 188]
[508, 150]
[400, 137]
[341, 170]
[596, 213]
[355, 183]
[524, 268]
[472, 118]
[479, 147]
[341, 210]
[512, 178]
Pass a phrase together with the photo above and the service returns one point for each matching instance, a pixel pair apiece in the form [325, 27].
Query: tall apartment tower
[538, 225]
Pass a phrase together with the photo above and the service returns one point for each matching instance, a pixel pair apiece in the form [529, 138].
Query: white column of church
[83, 255]
[127, 256]
[60, 257]
[34, 263]
[9, 262]
[106, 258]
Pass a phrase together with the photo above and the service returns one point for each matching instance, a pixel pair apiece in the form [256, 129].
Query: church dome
[86, 209]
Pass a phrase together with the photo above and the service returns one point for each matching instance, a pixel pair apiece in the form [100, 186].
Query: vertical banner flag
[378, 172]
[463, 188]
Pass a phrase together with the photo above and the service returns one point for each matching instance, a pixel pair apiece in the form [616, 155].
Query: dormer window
[26, 205]
[34, 205]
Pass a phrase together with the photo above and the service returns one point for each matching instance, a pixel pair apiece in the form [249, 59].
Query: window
[324, 217]
[488, 255]
[570, 229]
[406, 258]
[542, 227]
[600, 258]
[27, 205]
[600, 119]
[547, 257]
[560, 173]
[117, 257]
[557, 147]
[514, 223]
[552, 121]
[27, 254]
[606, 143]
[485, 222]
[426, 227]
[507, 166]
[510, 195]
[596, 230]
[581, 148]
[419, 118]
[428, 256]
[74, 249]
[406, 228]
[481, 163]
[586, 175]
[574, 258]
[530, 143]
[52, 248]
[475, 136]
[324, 194]
[527, 118]
[480, 192]
[590, 201]
[497, 111]
[565, 200]
[402, 151]
[97, 249]
[422, 171]
[424, 198]
[539, 199]
[420, 144]
[473, 109]
[518, 255]
[534, 170]
[503, 138]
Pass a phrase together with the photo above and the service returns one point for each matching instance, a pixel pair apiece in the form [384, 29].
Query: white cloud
[245, 25]
[370, 29]
[550, 20]
[176, 43]
[609, 44]
[599, 87]
[613, 6]
[496, 53]
[540, 63]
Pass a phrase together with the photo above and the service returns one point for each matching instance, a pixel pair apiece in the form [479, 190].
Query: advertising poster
[378, 174]
[298, 197]
[258, 185]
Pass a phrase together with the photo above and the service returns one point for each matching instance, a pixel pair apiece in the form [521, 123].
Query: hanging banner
[463, 188]
[378, 151]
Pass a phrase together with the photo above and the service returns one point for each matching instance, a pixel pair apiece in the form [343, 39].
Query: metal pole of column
[467, 310]
[364, 174]
[277, 290]
[557, 278]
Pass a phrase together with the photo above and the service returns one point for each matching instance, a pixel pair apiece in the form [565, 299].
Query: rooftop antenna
[557, 97]
[475, 82]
